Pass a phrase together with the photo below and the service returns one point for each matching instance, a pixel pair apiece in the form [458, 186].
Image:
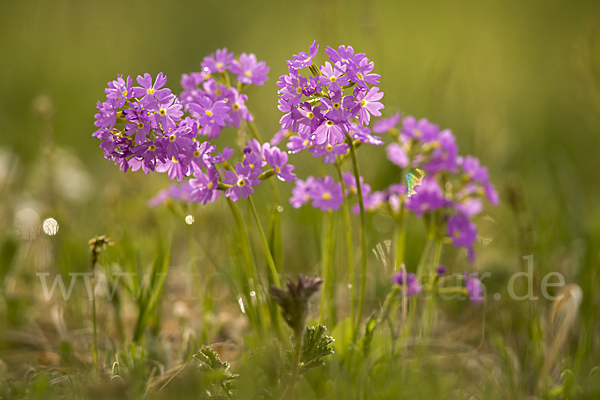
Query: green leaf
[316, 346]
[215, 373]
[367, 339]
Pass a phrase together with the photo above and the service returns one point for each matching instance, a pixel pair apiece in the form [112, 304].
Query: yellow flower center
[360, 76]
[140, 125]
[332, 79]
[251, 166]
[210, 185]
[241, 182]
[326, 196]
[456, 233]
[219, 65]
[172, 138]
[277, 169]
[287, 133]
[196, 153]
[162, 111]
[209, 113]
[124, 94]
[418, 133]
[150, 91]
[362, 103]
[310, 115]
[336, 105]
[248, 74]
[329, 123]
[218, 92]
[174, 160]
[152, 147]
[299, 90]
[236, 106]
[305, 143]
[329, 147]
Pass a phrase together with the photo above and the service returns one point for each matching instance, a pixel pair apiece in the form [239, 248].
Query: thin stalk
[386, 314]
[413, 306]
[400, 238]
[431, 299]
[95, 351]
[289, 393]
[277, 222]
[271, 264]
[363, 234]
[400, 250]
[426, 251]
[276, 239]
[404, 295]
[251, 270]
[327, 270]
[350, 247]
[250, 267]
[273, 276]
[388, 303]
[95, 254]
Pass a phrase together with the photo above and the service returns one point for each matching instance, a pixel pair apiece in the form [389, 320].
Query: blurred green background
[517, 82]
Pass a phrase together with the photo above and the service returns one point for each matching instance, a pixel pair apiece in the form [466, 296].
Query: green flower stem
[95, 349]
[277, 242]
[413, 305]
[274, 277]
[356, 143]
[289, 392]
[400, 244]
[431, 299]
[400, 236]
[251, 281]
[327, 299]
[350, 247]
[363, 234]
[387, 313]
[424, 255]
[388, 303]
[95, 255]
